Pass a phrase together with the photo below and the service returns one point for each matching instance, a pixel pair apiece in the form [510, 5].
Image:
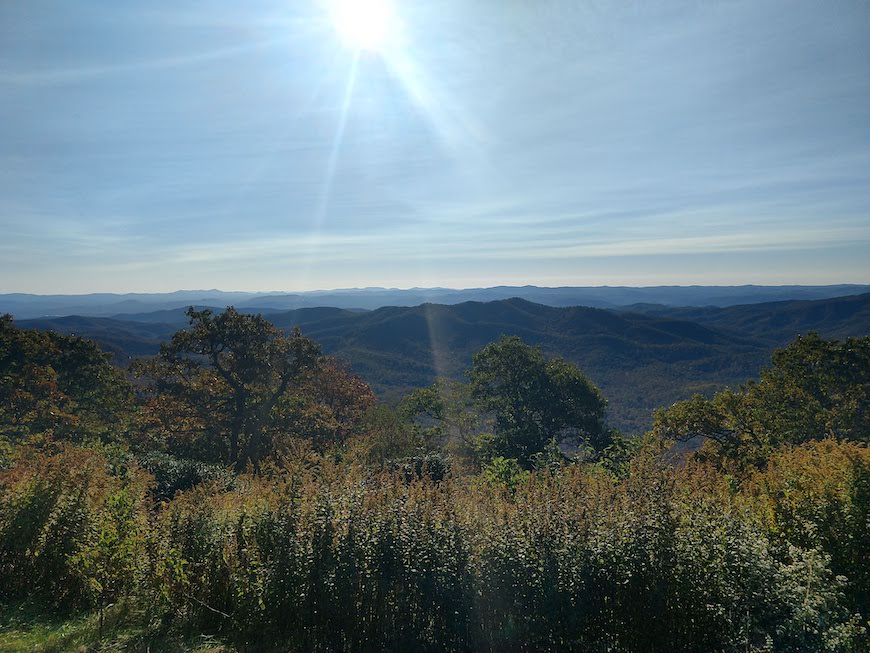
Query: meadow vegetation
[242, 492]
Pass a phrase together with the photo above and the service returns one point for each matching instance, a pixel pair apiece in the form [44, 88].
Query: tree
[54, 386]
[222, 379]
[383, 437]
[446, 417]
[326, 404]
[535, 401]
[814, 389]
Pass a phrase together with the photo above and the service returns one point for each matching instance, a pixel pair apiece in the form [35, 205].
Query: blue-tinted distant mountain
[597, 297]
[106, 304]
[174, 316]
[25, 306]
[178, 316]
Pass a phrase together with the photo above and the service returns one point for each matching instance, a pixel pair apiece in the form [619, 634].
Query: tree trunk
[236, 457]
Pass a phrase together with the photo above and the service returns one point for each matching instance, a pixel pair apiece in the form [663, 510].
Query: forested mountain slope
[777, 321]
[639, 361]
[643, 359]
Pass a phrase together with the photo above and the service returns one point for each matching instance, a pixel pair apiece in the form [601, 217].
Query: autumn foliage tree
[814, 389]
[223, 379]
[326, 404]
[57, 387]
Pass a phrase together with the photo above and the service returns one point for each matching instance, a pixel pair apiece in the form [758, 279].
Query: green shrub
[72, 528]
[173, 474]
[817, 496]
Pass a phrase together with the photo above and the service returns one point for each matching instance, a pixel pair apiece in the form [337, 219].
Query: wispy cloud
[89, 72]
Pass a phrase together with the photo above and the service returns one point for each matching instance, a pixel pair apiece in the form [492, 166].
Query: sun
[363, 24]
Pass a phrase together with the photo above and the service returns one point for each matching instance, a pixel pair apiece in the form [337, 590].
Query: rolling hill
[777, 322]
[650, 356]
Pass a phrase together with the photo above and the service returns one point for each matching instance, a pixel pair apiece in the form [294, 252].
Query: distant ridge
[25, 306]
[779, 321]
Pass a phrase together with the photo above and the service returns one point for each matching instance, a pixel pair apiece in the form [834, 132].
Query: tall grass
[332, 557]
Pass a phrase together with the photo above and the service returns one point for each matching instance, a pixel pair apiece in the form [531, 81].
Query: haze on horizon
[469, 143]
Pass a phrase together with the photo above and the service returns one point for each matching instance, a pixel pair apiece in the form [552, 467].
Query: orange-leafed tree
[231, 385]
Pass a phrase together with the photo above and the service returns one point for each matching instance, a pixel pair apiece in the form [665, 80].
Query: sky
[152, 146]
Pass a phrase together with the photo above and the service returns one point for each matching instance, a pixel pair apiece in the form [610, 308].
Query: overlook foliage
[814, 389]
[535, 401]
[252, 495]
[518, 405]
[231, 384]
[56, 386]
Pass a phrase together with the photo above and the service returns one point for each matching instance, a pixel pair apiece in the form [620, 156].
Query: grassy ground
[24, 629]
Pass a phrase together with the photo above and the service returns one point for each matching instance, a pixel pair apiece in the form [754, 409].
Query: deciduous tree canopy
[57, 387]
[814, 389]
[233, 383]
[535, 401]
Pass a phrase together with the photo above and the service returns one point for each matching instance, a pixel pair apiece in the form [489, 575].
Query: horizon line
[427, 288]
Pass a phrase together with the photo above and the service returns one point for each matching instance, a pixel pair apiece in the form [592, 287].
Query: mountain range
[642, 356]
[24, 306]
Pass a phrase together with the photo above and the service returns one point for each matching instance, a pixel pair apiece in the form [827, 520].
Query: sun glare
[363, 24]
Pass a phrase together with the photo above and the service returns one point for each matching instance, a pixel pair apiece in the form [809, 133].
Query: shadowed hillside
[641, 360]
[778, 322]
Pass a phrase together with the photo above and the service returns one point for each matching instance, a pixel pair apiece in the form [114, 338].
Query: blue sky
[152, 146]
